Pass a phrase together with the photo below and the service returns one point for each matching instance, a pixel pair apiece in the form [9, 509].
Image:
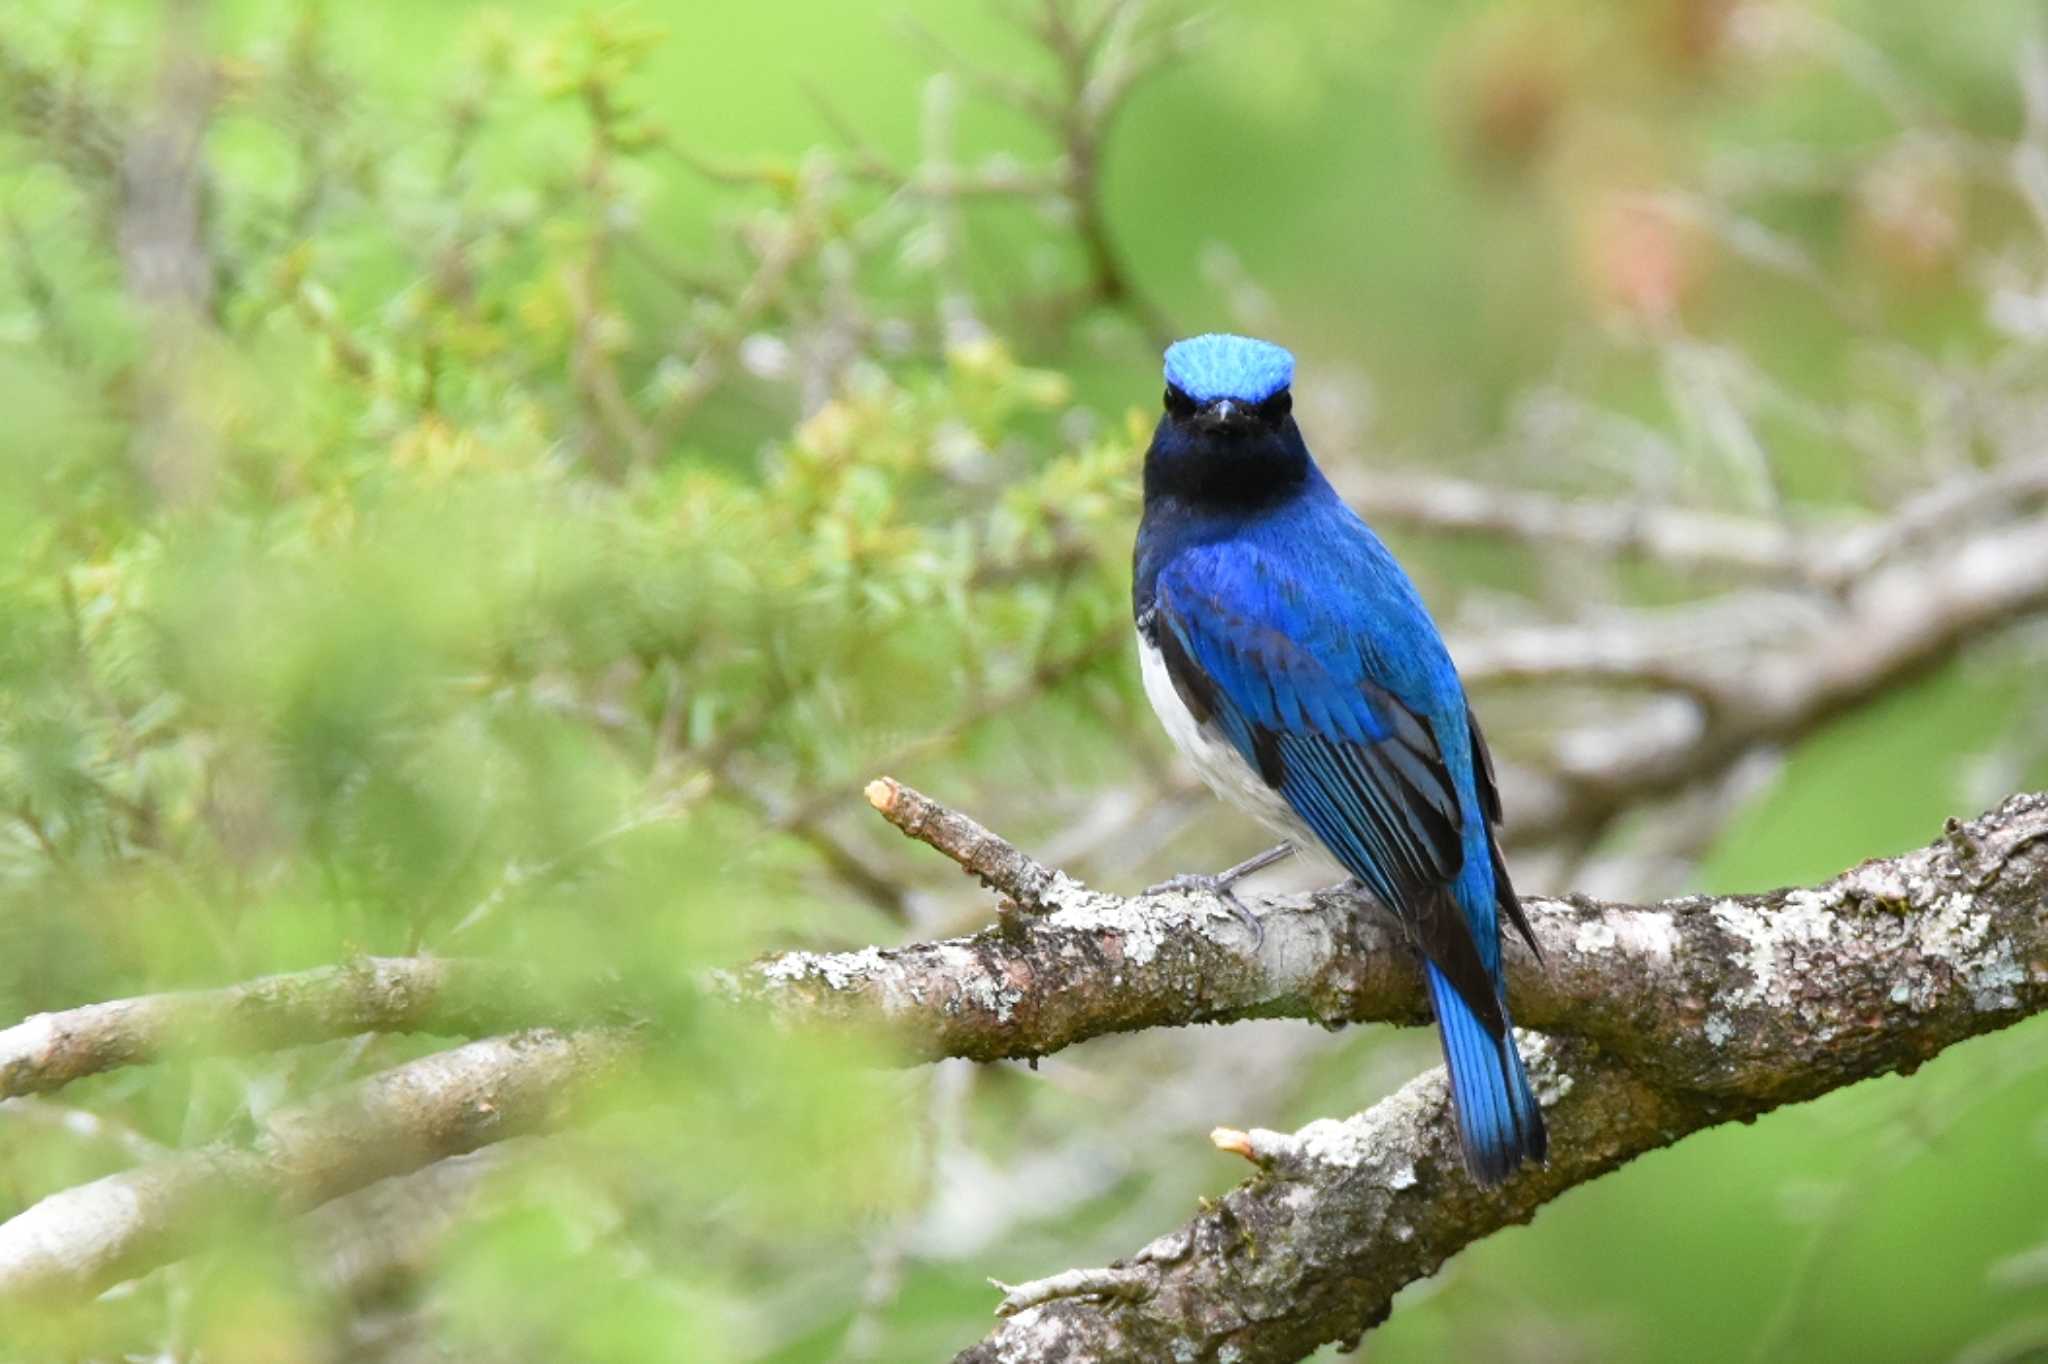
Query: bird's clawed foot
[1219, 885]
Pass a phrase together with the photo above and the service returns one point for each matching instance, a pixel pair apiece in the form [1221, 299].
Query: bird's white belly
[1215, 759]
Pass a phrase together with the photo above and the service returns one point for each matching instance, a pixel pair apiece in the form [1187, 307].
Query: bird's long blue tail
[1499, 1122]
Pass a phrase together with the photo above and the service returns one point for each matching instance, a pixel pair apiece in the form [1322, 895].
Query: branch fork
[1657, 1021]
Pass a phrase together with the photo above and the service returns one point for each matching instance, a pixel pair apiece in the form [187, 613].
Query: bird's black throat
[1206, 479]
[1243, 465]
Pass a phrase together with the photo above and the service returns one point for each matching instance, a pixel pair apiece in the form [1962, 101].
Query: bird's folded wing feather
[1290, 688]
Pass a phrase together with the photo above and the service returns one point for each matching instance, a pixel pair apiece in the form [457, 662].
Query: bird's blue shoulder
[1308, 594]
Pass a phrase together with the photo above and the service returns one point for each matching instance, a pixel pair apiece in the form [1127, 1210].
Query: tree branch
[375, 994]
[993, 860]
[1767, 1000]
[1340, 1217]
[1696, 992]
[1678, 536]
[1668, 1018]
[1895, 624]
[84, 1239]
[1682, 537]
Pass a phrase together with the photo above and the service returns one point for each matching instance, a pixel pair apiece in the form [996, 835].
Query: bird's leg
[1219, 885]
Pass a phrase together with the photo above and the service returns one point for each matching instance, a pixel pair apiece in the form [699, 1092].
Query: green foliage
[446, 633]
[554, 491]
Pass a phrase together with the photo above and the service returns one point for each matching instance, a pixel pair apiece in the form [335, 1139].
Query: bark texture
[1659, 1020]
[1693, 1014]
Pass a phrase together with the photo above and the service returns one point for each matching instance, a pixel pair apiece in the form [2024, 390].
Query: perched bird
[1293, 662]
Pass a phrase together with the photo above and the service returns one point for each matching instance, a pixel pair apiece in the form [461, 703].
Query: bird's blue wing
[1293, 690]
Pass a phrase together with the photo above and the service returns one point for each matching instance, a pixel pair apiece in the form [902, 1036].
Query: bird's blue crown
[1219, 365]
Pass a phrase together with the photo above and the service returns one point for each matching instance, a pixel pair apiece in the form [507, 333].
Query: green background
[1432, 270]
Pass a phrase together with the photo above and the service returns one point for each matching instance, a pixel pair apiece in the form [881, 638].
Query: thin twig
[999, 864]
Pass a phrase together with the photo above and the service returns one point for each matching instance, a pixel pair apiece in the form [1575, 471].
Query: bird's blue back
[1298, 614]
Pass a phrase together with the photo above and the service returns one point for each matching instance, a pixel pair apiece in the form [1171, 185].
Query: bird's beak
[1221, 415]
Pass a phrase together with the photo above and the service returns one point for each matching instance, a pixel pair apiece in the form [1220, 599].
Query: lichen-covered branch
[1692, 1014]
[1341, 1215]
[1664, 1019]
[1090, 963]
[1696, 992]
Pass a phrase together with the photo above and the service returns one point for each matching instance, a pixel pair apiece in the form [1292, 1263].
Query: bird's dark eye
[1179, 404]
[1275, 408]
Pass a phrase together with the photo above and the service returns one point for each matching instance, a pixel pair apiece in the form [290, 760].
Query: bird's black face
[1227, 415]
[1226, 453]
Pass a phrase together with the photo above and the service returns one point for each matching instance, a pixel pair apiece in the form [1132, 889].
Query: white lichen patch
[1932, 939]
[1596, 936]
[1639, 932]
[1547, 1080]
[837, 969]
[1403, 1177]
[1951, 930]
[1028, 1336]
[1758, 958]
[1330, 1141]
[1647, 932]
[1171, 1248]
[1883, 882]
[1061, 890]
[1142, 933]
[1551, 1087]
[1770, 943]
[990, 994]
[1957, 934]
[1383, 1133]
